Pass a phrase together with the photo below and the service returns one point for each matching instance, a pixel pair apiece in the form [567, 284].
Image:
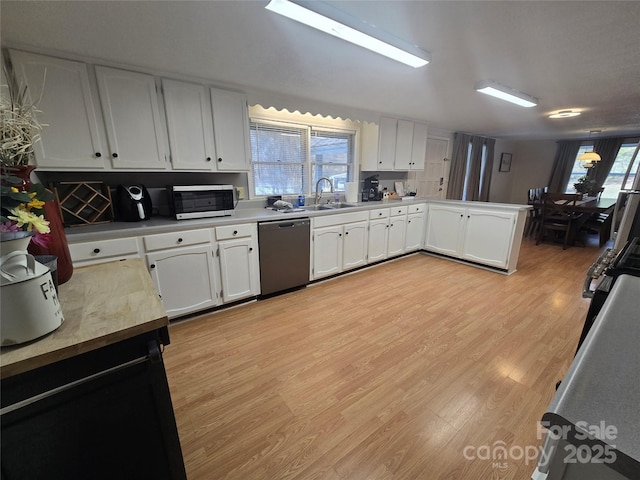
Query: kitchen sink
[329, 206]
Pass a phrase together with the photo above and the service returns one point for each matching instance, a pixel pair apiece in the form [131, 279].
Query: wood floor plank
[386, 373]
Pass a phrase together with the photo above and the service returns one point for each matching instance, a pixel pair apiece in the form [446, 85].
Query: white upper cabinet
[132, 119]
[61, 90]
[190, 126]
[231, 130]
[398, 145]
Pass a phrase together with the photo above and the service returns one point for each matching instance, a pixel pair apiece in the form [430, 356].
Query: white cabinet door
[190, 126]
[488, 236]
[354, 249]
[231, 130]
[369, 139]
[418, 147]
[378, 240]
[327, 251]
[415, 231]
[397, 227]
[404, 145]
[445, 225]
[186, 278]
[387, 143]
[61, 90]
[132, 119]
[239, 269]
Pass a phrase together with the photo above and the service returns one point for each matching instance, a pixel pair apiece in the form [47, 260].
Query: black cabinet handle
[251, 249]
[179, 240]
[235, 232]
[346, 233]
[114, 155]
[208, 159]
[220, 159]
[339, 234]
[96, 250]
[153, 265]
[98, 154]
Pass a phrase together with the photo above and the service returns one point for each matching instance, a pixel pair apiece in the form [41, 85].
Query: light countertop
[603, 382]
[101, 304]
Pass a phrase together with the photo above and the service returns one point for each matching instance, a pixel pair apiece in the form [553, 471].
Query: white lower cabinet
[484, 236]
[184, 270]
[338, 243]
[185, 277]
[354, 247]
[397, 231]
[416, 220]
[378, 235]
[487, 237]
[100, 251]
[239, 261]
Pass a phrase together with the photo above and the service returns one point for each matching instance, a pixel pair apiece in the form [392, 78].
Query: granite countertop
[602, 386]
[243, 214]
[102, 304]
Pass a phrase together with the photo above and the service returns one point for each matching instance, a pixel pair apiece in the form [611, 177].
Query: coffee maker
[371, 189]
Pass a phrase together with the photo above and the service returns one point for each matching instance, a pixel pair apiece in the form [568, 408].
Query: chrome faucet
[319, 192]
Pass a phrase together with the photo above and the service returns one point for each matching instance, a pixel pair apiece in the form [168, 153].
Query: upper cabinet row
[394, 145]
[127, 128]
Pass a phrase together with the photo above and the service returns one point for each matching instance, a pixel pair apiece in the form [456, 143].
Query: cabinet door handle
[220, 159]
[70, 385]
[96, 250]
[251, 249]
[208, 159]
[339, 234]
[153, 265]
[235, 232]
[98, 154]
[179, 240]
[114, 155]
[346, 233]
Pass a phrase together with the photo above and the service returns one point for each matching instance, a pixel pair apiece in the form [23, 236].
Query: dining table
[588, 207]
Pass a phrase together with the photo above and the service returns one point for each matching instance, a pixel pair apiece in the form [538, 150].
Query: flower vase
[57, 244]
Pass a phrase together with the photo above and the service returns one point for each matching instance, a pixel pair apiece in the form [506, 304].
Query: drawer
[397, 211]
[339, 219]
[378, 213]
[236, 231]
[176, 239]
[91, 251]
[419, 208]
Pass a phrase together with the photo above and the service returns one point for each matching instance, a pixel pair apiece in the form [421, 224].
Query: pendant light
[589, 159]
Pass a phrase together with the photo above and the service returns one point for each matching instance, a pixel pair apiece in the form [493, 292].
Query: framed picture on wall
[505, 162]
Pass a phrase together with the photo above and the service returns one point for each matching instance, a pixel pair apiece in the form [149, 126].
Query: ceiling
[570, 55]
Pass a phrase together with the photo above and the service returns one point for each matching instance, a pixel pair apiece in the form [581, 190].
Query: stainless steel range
[603, 274]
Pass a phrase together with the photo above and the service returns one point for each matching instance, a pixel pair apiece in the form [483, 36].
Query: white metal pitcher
[29, 305]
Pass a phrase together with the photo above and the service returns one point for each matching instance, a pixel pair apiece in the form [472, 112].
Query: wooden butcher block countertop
[102, 304]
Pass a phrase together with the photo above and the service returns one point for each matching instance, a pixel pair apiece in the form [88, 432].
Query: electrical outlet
[240, 193]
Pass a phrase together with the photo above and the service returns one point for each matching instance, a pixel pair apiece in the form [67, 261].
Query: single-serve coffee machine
[371, 190]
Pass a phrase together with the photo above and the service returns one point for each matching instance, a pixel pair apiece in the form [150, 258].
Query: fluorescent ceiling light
[565, 114]
[506, 93]
[332, 27]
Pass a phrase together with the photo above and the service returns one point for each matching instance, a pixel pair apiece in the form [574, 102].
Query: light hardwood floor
[386, 373]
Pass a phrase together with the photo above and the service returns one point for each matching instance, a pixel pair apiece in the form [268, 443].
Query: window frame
[322, 125]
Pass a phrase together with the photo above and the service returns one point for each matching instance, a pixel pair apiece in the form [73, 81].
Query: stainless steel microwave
[201, 201]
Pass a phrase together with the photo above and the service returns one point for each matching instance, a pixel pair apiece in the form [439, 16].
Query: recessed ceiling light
[319, 18]
[503, 92]
[565, 114]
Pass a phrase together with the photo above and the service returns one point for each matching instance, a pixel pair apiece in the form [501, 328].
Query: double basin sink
[329, 206]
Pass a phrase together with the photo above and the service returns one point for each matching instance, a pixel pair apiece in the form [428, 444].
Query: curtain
[607, 148]
[485, 179]
[458, 167]
[563, 164]
[469, 177]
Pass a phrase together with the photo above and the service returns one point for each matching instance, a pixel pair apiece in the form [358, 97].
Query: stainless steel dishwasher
[284, 254]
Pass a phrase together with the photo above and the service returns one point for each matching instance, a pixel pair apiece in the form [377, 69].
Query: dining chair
[558, 217]
[535, 213]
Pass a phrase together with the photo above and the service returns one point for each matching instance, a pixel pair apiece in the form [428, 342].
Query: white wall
[531, 167]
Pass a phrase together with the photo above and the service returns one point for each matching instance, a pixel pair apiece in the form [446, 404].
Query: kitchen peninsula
[91, 399]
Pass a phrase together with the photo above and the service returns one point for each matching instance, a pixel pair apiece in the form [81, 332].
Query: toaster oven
[201, 201]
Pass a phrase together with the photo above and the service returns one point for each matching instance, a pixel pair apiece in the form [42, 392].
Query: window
[288, 159]
[622, 173]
